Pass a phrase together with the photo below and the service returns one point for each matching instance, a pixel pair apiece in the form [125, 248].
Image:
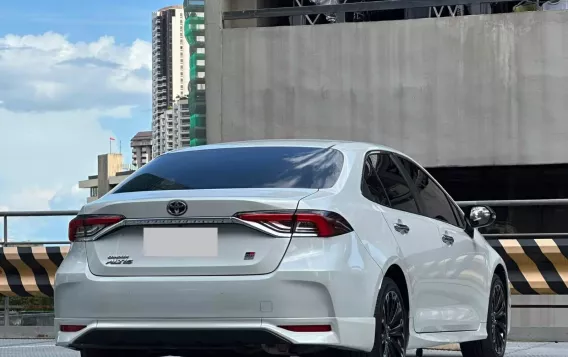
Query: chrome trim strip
[133, 222]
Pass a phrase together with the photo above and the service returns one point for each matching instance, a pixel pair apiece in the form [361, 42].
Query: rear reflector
[71, 328]
[85, 227]
[300, 223]
[307, 328]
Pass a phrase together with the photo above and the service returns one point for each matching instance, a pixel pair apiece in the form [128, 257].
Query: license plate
[181, 242]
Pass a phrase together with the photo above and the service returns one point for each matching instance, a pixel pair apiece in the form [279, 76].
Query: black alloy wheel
[498, 319]
[393, 325]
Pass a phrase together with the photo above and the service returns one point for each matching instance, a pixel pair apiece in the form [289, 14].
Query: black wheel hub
[393, 334]
[498, 319]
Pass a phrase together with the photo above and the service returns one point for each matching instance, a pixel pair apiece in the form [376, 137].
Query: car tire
[397, 330]
[496, 342]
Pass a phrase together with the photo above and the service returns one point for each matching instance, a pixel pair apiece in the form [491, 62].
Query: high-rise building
[181, 122]
[141, 145]
[170, 72]
[195, 36]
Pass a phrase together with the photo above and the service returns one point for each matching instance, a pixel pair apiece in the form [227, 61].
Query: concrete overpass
[454, 91]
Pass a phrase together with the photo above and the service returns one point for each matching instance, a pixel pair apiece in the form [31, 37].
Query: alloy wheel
[393, 337]
[499, 319]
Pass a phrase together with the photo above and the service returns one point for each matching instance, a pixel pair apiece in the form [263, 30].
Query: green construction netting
[191, 25]
[196, 99]
[197, 120]
[197, 142]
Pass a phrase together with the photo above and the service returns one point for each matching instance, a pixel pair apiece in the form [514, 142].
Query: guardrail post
[6, 311]
[5, 230]
[6, 299]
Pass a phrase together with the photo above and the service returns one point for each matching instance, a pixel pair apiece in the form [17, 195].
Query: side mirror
[481, 216]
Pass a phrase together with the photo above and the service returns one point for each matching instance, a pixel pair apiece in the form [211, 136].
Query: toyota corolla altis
[280, 247]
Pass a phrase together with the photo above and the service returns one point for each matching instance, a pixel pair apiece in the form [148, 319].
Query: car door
[417, 238]
[466, 300]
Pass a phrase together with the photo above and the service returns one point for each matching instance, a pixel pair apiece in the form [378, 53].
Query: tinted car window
[397, 189]
[242, 167]
[436, 204]
[459, 216]
[372, 186]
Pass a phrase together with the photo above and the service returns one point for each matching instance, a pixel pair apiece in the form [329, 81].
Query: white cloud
[53, 94]
[48, 72]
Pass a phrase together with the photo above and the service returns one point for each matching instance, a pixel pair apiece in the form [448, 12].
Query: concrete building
[163, 136]
[467, 91]
[170, 72]
[141, 145]
[111, 172]
[181, 122]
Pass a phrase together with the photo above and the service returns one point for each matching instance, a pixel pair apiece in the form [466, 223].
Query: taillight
[71, 328]
[300, 223]
[83, 228]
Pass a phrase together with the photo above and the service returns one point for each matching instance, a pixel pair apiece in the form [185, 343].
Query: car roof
[318, 143]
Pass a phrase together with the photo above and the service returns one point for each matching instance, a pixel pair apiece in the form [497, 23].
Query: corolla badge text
[118, 260]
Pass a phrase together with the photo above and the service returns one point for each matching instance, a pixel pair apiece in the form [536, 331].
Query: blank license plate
[181, 242]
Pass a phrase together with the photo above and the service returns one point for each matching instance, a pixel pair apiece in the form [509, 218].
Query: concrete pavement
[46, 348]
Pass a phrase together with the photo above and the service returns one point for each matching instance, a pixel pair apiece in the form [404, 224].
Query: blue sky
[125, 20]
[72, 74]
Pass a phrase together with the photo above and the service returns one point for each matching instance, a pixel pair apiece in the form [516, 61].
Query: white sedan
[290, 247]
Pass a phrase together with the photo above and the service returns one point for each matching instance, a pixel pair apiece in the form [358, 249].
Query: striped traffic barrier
[535, 266]
[29, 271]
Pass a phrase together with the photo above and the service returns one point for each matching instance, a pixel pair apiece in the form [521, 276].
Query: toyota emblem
[177, 208]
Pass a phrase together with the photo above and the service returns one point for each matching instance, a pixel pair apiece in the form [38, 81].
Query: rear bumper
[319, 281]
[186, 335]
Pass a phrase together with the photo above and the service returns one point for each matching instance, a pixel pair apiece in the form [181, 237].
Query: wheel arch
[399, 276]
[501, 272]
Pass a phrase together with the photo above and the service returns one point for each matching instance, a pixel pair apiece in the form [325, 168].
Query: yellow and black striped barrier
[536, 266]
[29, 271]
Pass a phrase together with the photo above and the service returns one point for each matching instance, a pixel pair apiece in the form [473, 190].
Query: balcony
[90, 183]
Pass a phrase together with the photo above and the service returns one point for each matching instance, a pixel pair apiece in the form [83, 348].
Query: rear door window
[396, 187]
[371, 186]
[435, 201]
[240, 167]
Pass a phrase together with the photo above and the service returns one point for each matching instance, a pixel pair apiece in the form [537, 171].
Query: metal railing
[5, 241]
[351, 7]
[8, 317]
[519, 203]
[491, 203]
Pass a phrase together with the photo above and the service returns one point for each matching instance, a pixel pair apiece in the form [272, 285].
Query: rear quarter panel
[366, 217]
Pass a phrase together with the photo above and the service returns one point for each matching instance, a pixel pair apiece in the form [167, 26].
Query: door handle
[401, 228]
[449, 240]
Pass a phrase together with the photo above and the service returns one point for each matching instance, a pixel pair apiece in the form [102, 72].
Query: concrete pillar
[108, 165]
[138, 156]
[214, 49]
[102, 173]
[214, 67]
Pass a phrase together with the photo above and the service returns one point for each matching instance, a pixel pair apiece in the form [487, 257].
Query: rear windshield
[243, 167]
